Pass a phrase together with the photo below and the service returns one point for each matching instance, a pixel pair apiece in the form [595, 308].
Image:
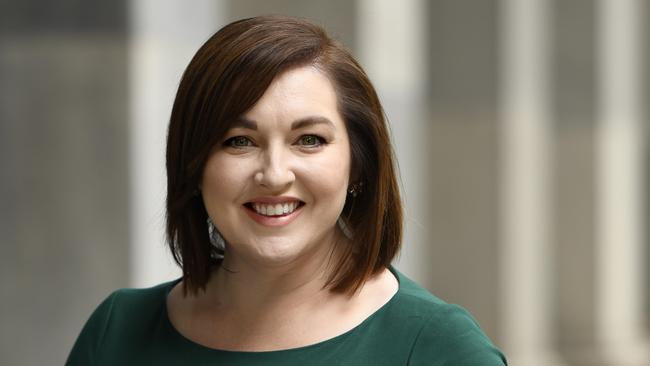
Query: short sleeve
[87, 346]
[453, 337]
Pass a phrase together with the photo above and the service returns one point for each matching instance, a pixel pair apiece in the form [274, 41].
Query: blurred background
[520, 127]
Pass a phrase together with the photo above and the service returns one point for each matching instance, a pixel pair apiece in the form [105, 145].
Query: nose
[275, 172]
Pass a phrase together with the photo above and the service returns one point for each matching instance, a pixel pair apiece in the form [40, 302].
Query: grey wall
[646, 116]
[64, 160]
[337, 16]
[574, 103]
[462, 165]
[63, 153]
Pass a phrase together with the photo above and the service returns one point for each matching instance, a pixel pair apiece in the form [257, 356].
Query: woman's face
[277, 183]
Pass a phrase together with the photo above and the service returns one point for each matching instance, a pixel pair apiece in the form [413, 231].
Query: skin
[279, 264]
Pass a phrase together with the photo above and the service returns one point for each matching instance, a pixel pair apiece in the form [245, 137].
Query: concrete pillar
[165, 36]
[574, 219]
[620, 228]
[526, 184]
[391, 39]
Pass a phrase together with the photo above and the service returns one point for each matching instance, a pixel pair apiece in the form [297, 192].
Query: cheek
[328, 177]
[222, 182]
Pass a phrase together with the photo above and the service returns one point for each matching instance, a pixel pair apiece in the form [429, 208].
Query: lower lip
[273, 221]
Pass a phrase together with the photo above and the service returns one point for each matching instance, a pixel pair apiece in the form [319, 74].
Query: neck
[260, 308]
[241, 287]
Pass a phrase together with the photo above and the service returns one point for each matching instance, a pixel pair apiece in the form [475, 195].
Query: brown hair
[226, 77]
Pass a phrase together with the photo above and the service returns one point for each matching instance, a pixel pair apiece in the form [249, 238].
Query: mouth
[274, 214]
[274, 209]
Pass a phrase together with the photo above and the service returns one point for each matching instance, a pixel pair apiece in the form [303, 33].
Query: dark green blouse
[414, 327]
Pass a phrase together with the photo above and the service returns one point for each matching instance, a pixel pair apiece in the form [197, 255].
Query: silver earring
[344, 227]
[216, 239]
[355, 189]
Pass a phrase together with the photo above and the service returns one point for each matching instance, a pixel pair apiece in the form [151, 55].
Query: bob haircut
[226, 77]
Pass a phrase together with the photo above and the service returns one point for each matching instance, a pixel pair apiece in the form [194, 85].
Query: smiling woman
[293, 153]
[265, 86]
[284, 213]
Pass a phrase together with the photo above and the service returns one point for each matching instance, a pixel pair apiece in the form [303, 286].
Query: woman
[284, 213]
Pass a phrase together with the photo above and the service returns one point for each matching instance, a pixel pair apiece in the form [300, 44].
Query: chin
[281, 251]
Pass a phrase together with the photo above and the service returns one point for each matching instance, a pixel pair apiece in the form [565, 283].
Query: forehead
[297, 94]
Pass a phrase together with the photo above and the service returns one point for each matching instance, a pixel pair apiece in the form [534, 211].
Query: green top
[414, 327]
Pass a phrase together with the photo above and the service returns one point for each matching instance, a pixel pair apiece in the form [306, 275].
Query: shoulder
[413, 301]
[445, 332]
[129, 306]
[136, 299]
[125, 313]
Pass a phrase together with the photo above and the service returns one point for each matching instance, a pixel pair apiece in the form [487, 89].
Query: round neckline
[326, 342]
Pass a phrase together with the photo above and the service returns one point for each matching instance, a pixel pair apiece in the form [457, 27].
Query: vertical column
[620, 192]
[525, 184]
[461, 133]
[574, 215]
[391, 49]
[337, 16]
[166, 34]
[645, 61]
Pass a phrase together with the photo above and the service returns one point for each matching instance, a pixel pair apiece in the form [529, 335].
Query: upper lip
[274, 199]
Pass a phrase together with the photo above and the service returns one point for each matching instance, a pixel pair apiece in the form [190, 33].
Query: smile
[274, 213]
[277, 209]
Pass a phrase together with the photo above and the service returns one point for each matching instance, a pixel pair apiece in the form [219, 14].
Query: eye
[311, 141]
[238, 142]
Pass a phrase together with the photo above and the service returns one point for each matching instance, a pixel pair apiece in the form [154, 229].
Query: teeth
[275, 210]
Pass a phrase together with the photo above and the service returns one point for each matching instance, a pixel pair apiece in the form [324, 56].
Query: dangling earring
[216, 239]
[344, 228]
[353, 190]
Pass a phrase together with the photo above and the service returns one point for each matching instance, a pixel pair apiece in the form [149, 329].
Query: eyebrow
[243, 122]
